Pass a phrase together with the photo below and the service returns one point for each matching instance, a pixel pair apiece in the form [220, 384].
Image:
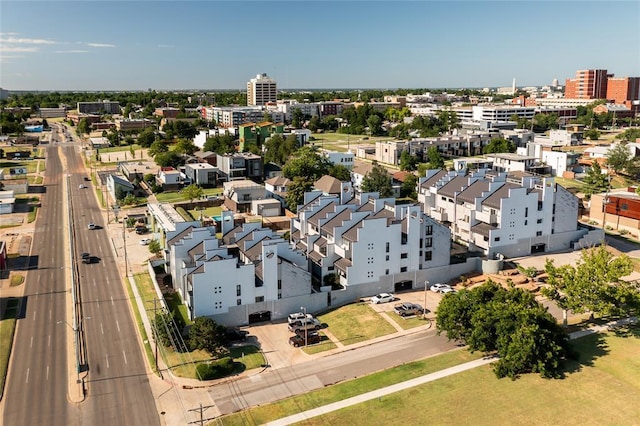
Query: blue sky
[136, 45]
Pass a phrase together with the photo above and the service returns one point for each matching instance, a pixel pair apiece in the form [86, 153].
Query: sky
[180, 45]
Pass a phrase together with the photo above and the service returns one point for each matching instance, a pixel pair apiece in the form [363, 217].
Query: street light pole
[424, 310]
[304, 311]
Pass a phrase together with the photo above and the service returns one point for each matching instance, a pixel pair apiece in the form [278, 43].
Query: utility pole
[424, 312]
[201, 410]
[155, 329]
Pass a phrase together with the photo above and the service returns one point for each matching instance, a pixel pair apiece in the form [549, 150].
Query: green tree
[315, 123]
[297, 118]
[408, 162]
[157, 147]
[499, 145]
[374, 122]
[408, 187]
[629, 135]
[278, 149]
[146, 137]
[592, 134]
[618, 157]
[192, 192]
[163, 326]
[168, 159]
[377, 180]
[220, 144]
[595, 180]
[594, 285]
[154, 247]
[435, 158]
[295, 192]
[185, 147]
[83, 127]
[510, 323]
[307, 162]
[340, 172]
[207, 335]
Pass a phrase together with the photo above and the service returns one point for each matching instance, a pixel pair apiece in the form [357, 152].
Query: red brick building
[588, 84]
[624, 90]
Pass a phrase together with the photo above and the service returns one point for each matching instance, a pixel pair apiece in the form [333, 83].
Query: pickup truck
[306, 324]
[406, 309]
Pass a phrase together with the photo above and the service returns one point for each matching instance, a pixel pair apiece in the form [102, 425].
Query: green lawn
[356, 323]
[603, 387]
[174, 301]
[137, 315]
[176, 196]
[325, 345]
[206, 213]
[7, 327]
[408, 322]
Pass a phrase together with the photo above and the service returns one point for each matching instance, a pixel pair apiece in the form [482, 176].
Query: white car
[298, 316]
[382, 298]
[81, 186]
[448, 290]
[91, 226]
[145, 241]
[440, 288]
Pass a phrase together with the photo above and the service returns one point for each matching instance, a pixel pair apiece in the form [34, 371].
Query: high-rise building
[261, 90]
[622, 90]
[588, 84]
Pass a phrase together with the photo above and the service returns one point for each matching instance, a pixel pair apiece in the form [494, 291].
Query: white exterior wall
[342, 158]
[566, 215]
[214, 291]
[556, 160]
[295, 281]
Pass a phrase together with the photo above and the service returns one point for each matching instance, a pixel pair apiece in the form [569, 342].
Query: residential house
[118, 186]
[276, 188]
[7, 201]
[239, 194]
[202, 174]
[240, 165]
[170, 178]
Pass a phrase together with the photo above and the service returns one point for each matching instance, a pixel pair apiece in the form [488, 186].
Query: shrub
[623, 232]
[216, 369]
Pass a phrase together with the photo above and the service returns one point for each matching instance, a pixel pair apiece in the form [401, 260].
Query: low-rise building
[202, 174]
[239, 194]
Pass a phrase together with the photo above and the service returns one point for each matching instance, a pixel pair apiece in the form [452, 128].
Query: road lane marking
[47, 372]
[98, 303]
[49, 342]
[34, 315]
[118, 325]
[112, 301]
[101, 329]
[31, 344]
[49, 314]
[27, 381]
[107, 358]
[125, 357]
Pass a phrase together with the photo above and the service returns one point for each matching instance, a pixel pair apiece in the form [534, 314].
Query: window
[526, 212]
[279, 294]
[496, 239]
[238, 290]
[403, 256]
[403, 269]
[238, 302]
[539, 221]
[538, 233]
[624, 206]
[279, 284]
[428, 255]
[387, 258]
[387, 249]
[386, 272]
[429, 230]
[526, 222]
[428, 242]
[259, 299]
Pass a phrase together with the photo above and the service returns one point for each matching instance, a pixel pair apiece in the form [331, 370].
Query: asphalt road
[113, 370]
[301, 378]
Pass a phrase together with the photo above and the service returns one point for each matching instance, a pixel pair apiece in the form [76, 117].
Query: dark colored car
[299, 339]
[141, 230]
[234, 334]
[86, 257]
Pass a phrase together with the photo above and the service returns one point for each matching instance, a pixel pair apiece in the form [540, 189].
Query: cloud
[71, 51]
[18, 49]
[100, 45]
[16, 40]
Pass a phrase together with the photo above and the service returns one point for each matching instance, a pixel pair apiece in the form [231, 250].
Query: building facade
[261, 90]
[587, 84]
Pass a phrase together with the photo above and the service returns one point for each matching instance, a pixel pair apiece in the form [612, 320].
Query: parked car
[448, 290]
[305, 324]
[406, 309]
[141, 230]
[234, 334]
[298, 316]
[145, 241]
[91, 226]
[439, 287]
[310, 339]
[382, 298]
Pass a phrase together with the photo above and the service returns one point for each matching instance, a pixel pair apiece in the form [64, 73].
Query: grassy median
[355, 323]
[7, 328]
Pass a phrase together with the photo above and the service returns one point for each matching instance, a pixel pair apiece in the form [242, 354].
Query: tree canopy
[192, 192]
[307, 162]
[618, 157]
[277, 149]
[377, 180]
[510, 323]
[220, 144]
[206, 334]
[594, 285]
[595, 180]
[499, 145]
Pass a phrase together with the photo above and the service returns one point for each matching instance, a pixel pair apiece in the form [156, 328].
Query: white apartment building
[368, 239]
[509, 214]
[261, 90]
[244, 272]
[287, 107]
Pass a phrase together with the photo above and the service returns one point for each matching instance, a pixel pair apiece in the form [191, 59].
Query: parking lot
[273, 337]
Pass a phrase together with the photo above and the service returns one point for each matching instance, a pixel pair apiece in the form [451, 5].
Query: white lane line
[27, 381]
[94, 282]
[47, 372]
[34, 315]
[49, 314]
[49, 342]
[101, 329]
[125, 357]
[98, 302]
[118, 325]
[112, 301]
[107, 358]
[31, 344]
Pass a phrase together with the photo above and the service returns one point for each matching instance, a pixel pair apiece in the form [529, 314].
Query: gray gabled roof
[494, 199]
[433, 179]
[455, 185]
[180, 236]
[474, 191]
[322, 213]
[336, 221]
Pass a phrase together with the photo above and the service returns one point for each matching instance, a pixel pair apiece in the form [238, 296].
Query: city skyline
[218, 45]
